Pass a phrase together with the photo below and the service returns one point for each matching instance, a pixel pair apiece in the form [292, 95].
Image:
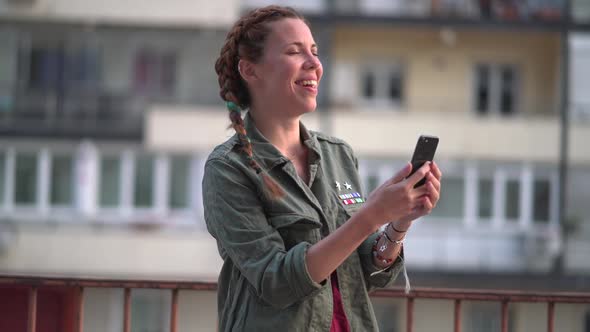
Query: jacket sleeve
[374, 277]
[235, 216]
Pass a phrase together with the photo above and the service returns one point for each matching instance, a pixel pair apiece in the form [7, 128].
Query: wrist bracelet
[392, 241]
[378, 250]
[386, 261]
[395, 229]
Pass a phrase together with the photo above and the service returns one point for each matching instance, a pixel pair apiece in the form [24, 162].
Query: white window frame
[160, 211]
[456, 169]
[37, 207]
[61, 207]
[382, 71]
[495, 88]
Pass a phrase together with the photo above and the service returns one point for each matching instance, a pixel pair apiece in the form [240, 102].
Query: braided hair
[246, 40]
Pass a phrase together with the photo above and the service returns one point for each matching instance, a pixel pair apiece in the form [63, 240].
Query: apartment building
[80, 192]
[108, 111]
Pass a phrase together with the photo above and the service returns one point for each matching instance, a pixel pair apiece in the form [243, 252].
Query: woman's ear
[247, 70]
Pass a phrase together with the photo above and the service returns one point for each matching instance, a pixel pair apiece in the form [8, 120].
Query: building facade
[109, 110]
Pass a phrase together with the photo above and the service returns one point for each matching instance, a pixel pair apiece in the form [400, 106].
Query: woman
[301, 247]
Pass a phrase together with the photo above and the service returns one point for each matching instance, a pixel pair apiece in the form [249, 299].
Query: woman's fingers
[419, 175]
[401, 174]
[432, 179]
[437, 172]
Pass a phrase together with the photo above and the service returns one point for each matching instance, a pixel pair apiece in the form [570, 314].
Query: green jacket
[264, 284]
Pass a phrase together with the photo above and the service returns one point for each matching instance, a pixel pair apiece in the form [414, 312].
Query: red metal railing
[504, 298]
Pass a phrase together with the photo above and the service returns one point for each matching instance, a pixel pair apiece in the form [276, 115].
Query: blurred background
[108, 110]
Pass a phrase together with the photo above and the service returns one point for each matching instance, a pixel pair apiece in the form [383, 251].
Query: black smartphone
[424, 151]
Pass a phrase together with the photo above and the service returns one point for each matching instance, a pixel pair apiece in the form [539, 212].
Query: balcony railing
[74, 112]
[503, 297]
[449, 11]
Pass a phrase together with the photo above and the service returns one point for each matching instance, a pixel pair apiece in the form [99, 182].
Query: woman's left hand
[429, 199]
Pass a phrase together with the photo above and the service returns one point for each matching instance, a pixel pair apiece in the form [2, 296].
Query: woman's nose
[312, 62]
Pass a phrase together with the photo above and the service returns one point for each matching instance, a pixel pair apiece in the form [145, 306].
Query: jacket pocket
[295, 228]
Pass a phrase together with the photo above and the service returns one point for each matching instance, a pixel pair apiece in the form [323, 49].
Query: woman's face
[289, 72]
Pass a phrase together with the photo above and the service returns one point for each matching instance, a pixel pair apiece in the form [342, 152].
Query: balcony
[75, 112]
[530, 13]
[33, 299]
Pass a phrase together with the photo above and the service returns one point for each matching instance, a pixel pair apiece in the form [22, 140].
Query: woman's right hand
[396, 197]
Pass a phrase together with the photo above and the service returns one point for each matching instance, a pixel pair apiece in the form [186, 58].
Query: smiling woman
[301, 244]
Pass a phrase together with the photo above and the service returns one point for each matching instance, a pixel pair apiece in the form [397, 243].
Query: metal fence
[502, 297]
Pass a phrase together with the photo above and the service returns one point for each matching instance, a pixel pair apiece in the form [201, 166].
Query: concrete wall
[109, 251]
[436, 57]
[389, 134]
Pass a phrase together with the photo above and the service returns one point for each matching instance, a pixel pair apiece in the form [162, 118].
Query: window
[541, 200]
[179, 182]
[110, 177]
[372, 183]
[62, 173]
[387, 313]
[155, 72]
[8, 68]
[486, 198]
[450, 205]
[150, 310]
[369, 85]
[144, 182]
[46, 68]
[496, 89]
[383, 85]
[26, 179]
[485, 317]
[2, 176]
[512, 199]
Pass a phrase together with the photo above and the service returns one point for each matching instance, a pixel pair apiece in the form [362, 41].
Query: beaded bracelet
[392, 241]
[377, 251]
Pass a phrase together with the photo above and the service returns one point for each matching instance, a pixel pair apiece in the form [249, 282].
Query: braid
[246, 40]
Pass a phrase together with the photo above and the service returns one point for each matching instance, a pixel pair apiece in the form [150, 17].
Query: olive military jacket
[264, 284]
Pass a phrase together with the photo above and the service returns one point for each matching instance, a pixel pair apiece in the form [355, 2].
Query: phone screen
[424, 151]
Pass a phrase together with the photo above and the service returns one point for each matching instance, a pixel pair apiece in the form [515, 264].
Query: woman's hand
[397, 199]
[428, 200]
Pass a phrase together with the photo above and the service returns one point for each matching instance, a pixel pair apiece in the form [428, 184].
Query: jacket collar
[268, 155]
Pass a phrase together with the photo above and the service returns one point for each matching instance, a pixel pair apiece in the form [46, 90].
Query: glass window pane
[149, 310]
[507, 92]
[512, 199]
[451, 200]
[179, 180]
[2, 180]
[168, 72]
[486, 197]
[144, 181]
[110, 177]
[369, 85]
[26, 179]
[62, 180]
[542, 197]
[395, 86]
[372, 183]
[482, 94]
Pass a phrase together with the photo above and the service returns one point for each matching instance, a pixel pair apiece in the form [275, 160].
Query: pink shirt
[339, 320]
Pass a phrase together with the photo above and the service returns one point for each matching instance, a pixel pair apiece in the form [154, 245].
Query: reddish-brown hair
[246, 40]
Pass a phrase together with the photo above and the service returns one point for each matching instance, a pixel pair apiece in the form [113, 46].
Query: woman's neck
[283, 132]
